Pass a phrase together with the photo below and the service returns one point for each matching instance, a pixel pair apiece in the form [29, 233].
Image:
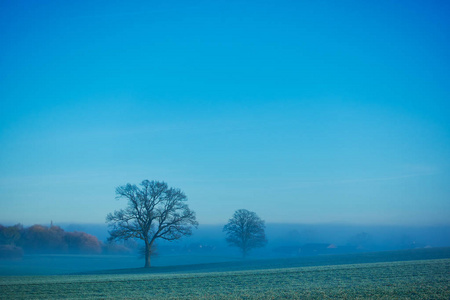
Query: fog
[286, 239]
[82, 252]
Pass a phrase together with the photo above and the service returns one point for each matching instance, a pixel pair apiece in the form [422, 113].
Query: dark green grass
[305, 261]
[420, 279]
[51, 264]
[101, 264]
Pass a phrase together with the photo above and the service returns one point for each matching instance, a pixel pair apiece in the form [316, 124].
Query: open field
[52, 264]
[426, 279]
[405, 274]
[299, 261]
[108, 264]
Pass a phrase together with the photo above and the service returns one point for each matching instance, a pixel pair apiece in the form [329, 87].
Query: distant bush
[38, 239]
[10, 235]
[53, 239]
[81, 242]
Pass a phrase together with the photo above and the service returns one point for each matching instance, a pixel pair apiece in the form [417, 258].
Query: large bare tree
[154, 211]
[245, 230]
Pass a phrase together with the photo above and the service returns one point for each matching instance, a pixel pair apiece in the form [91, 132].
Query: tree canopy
[154, 210]
[245, 230]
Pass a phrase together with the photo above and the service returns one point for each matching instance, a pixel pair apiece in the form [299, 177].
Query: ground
[410, 279]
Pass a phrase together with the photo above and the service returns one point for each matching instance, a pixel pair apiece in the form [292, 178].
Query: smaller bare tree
[154, 211]
[245, 230]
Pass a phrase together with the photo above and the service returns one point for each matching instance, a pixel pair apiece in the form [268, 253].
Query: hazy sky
[302, 111]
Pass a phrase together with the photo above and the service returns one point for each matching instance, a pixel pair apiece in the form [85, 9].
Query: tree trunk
[147, 255]
[244, 253]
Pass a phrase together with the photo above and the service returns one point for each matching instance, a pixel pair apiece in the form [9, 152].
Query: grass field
[70, 264]
[413, 279]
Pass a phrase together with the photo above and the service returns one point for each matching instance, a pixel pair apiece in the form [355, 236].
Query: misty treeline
[17, 240]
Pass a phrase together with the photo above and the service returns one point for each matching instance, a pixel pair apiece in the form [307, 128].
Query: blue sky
[302, 111]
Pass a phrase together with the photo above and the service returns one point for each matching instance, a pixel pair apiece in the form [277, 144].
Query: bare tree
[154, 211]
[245, 230]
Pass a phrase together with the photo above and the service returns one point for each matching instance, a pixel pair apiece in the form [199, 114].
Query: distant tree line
[37, 239]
